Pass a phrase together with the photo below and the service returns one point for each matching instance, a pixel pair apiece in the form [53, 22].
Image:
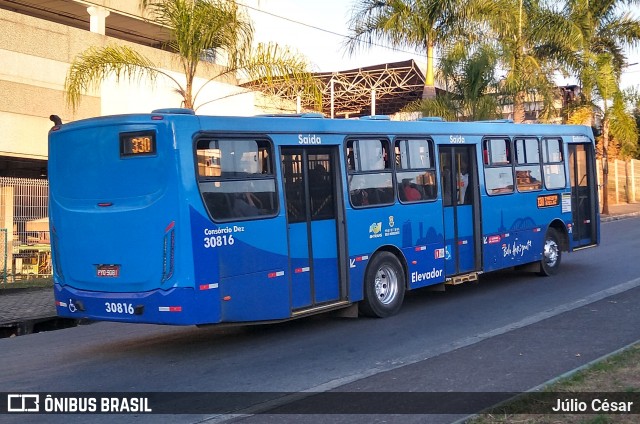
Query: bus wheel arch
[555, 241]
[384, 284]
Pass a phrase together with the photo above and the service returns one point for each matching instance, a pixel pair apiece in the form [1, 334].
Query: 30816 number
[119, 308]
[219, 241]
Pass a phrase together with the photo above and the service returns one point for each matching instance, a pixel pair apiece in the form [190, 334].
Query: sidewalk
[20, 310]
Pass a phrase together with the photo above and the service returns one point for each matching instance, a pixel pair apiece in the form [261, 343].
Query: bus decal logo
[275, 274]
[517, 249]
[375, 230]
[208, 286]
[301, 270]
[439, 253]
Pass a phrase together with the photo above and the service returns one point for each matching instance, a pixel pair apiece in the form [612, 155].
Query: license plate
[108, 271]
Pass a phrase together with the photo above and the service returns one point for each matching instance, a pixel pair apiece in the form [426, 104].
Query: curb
[554, 380]
[609, 218]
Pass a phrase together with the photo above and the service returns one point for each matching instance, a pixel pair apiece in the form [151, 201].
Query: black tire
[384, 286]
[551, 254]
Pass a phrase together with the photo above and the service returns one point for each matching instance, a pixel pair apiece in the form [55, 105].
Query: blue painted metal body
[176, 265]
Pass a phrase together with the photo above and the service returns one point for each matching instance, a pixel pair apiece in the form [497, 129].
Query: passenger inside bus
[463, 182]
[411, 193]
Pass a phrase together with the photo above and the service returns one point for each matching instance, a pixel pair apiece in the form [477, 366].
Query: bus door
[313, 207]
[583, 194]
[460, 200]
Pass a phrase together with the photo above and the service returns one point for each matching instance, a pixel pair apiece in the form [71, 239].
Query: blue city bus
[174, 218]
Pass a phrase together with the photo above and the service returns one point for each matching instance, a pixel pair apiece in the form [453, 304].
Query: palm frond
[92, 66]
[274, 69]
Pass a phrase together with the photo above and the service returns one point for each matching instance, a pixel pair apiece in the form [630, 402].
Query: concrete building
[38, 41]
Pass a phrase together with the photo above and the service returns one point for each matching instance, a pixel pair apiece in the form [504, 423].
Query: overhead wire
[347, 37]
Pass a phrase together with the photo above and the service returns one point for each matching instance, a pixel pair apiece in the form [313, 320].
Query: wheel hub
[551, 252]
[386, 285]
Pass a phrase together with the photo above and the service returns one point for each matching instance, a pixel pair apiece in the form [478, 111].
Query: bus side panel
[423, 244]
[514, 232]
[449, 248]
[255, 297]
[324, 262]
[246, 263]
[413, 229]
[299, 250]
[205, 262]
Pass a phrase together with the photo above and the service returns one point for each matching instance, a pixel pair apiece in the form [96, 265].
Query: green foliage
[470, 83]
[420, 25]
[624, 128]
[95, 64]
[199, 29]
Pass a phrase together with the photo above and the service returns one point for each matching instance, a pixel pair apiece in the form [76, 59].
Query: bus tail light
[168, 252]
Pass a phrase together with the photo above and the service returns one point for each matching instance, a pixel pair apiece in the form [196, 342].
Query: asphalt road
[452, 341]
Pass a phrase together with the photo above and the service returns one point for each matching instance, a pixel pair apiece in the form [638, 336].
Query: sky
[326, 51]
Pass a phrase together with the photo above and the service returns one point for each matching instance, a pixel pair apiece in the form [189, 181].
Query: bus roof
[315, 123]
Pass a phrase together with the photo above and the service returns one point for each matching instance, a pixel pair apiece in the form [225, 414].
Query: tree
[589, 37]
[419, 24]
[199, 28]
[470, 84]
[518, 34]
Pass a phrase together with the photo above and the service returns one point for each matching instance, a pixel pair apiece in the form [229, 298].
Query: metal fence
[24, 219]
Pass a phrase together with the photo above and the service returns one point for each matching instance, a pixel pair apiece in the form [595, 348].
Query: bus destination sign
[548, 200]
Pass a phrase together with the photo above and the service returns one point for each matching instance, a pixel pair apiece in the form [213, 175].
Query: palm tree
[589, 37]
[470, 84]
[199, 28]
[419, 24]
[529, 71]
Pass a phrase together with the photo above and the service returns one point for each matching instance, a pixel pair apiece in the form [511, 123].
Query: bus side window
[553, 163]
[236, 178]
[498, 171]
[370, 172]
[415, 170]
[528, 174]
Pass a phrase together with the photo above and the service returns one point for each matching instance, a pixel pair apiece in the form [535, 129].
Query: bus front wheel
[551, 254]
[384, 286]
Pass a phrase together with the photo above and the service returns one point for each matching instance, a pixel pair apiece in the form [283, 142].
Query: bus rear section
[115, 222]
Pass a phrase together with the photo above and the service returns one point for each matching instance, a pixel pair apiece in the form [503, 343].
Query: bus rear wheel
[384, 286]
[551, 254]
